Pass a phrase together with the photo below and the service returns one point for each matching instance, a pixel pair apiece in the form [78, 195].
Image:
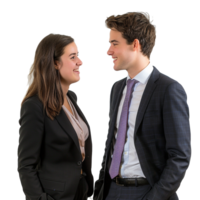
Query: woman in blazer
[55, 147]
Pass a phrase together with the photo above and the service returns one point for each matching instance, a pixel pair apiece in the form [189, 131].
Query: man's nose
[107, 52]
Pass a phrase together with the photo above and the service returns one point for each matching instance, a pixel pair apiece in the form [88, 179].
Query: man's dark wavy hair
[135, 25]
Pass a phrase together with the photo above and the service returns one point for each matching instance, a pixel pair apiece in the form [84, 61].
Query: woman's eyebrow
[73, 54]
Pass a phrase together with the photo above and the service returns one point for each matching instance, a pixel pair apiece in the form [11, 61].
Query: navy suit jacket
[161, 137]
[49, 156]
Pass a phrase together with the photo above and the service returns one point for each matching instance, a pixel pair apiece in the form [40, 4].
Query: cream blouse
[79, 126]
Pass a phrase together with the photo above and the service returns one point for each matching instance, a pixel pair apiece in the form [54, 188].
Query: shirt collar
[144, 75]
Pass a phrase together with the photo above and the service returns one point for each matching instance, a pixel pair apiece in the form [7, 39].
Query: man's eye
[114, 44]
[73, 57]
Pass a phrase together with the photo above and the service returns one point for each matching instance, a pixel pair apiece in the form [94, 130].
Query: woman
[55, 148]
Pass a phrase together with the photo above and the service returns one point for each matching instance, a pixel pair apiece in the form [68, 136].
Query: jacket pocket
[53, 185]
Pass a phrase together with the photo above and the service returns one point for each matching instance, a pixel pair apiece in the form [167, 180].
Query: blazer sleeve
[29, 150]
[99, 183]
[177, 136]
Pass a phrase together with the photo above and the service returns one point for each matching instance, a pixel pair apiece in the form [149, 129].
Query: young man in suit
[148, 145]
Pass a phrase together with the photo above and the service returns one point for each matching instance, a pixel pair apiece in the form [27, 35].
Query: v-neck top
[79, 126]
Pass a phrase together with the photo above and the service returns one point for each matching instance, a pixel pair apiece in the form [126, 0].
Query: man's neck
[136, 70]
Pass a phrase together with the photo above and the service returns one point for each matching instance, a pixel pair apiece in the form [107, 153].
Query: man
[148, 145]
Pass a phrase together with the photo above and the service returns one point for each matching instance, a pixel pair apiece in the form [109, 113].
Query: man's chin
[114, 68]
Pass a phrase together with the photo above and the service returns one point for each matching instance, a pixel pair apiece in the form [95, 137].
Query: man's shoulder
[119, 82]
[164, 80]
[166, 84]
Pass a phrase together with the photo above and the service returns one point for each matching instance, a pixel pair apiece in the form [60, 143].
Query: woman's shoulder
[32, 108]
[32, 103]
[73, 95]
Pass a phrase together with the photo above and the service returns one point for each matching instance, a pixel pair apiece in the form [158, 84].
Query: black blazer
[161, 137]
[49, 157]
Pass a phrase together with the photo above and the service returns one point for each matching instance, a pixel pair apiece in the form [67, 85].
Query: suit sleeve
[100, 181]
[177, 136]
[29, 150]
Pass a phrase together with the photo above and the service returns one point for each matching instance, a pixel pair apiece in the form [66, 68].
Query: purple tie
[122, 130]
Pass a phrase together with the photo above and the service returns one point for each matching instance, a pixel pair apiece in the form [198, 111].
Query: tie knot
[131, 83]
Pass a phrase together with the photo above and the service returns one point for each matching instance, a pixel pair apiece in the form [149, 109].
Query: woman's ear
[56, 64]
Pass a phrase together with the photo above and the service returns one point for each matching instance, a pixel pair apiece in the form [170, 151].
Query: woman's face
[69, 64]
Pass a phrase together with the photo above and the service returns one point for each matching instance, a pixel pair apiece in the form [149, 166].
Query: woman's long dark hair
[43, 77]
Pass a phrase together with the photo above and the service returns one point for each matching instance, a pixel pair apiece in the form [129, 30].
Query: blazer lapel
[150, 87]
[66, 124]
[78, 110]
[116, 96]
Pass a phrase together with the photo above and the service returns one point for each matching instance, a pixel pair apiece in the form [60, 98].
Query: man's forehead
[108, 34]
[115, 36]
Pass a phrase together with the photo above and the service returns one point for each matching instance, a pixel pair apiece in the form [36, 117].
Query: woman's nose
[82, 62]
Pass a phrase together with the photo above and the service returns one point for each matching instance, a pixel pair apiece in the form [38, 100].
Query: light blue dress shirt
[130, 165]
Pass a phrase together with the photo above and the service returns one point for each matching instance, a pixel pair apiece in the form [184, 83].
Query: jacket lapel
[78, 110]
[116, 97]
[66, 124]
[150, 87]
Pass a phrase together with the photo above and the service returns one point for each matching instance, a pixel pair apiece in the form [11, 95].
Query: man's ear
[136, 44]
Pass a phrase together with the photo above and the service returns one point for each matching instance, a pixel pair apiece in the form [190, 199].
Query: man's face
[121, 52]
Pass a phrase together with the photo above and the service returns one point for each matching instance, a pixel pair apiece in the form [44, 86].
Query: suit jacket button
[79, 163]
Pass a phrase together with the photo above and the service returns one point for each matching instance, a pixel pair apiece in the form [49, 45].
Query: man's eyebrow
[73, 54]
[113, 41]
